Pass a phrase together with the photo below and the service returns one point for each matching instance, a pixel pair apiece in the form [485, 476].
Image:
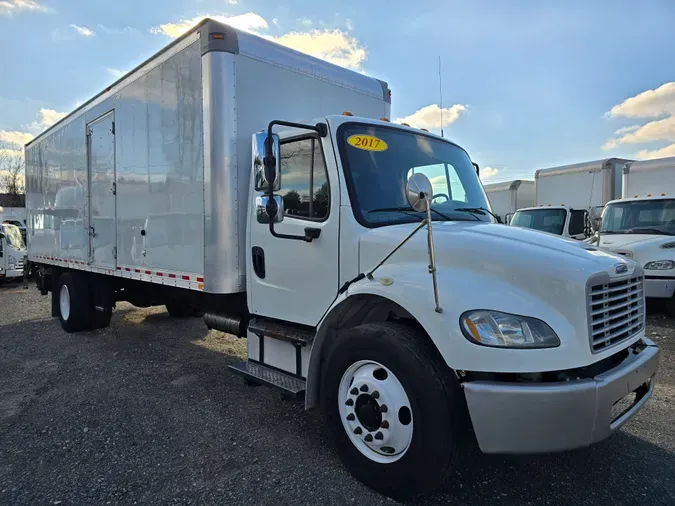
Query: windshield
[545, 220]
[640, 217]
[378, 161]
[13, 235]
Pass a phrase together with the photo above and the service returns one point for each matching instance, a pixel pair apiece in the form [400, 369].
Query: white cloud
[430, 116]
[648, 104]
[249, 22]
[10, 7]
[46, 118]
[275, 21]
[488, 173]
[116, 73]
[349, 24]
[647, 154]
[656, 103]
[116, 31]
[15, 138]
[304, 20]
[232, 2]
[83, 30]
[335, 46]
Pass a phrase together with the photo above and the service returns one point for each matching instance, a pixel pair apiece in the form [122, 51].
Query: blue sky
[527, 84]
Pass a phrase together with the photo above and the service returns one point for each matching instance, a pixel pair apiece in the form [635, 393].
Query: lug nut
[379, 436]
[354, 391]
[364, 388]
[368, 438]
[384, 424]
[351, 417]
[350, 402]
[375, 395]
[358, 431]
[383, 408]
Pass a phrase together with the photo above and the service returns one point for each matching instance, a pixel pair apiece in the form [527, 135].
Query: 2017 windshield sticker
[367, 142]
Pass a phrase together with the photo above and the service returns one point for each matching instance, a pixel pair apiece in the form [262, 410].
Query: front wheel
[395, 409]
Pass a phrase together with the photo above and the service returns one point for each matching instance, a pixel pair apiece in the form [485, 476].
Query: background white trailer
[173, 138]
[509, 196]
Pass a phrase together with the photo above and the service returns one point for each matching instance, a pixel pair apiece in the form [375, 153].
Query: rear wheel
[395, 409]
[73, 302]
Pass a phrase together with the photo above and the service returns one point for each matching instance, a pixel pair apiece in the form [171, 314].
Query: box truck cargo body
[507, 197]
[569, 198]
[641, 225]
[268, 191]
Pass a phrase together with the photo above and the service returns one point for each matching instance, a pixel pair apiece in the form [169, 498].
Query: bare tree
[12, 173]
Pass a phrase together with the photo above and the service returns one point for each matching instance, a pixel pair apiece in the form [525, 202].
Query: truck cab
[558, 220]
[12, 252]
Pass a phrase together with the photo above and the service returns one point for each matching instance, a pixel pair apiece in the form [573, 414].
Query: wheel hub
[64, 302]
[368, 413]
[375, 411]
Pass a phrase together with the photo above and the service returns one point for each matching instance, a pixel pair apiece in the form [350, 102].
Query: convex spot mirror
[419, 192]
[263, 174]
[266, 207]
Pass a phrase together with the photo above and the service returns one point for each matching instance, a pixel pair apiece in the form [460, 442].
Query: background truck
[570, 199]
[507, 197]
[641, 225]
[12, 250]
[195, 182]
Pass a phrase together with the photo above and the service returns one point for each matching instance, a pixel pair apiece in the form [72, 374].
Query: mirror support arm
[270, 162]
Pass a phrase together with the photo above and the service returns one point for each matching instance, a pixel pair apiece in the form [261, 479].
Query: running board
[292, 386]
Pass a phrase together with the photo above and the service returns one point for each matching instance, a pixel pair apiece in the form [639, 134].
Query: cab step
[299, 335]
[292, 386]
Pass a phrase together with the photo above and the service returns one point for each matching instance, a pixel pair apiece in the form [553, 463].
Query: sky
[526, 85]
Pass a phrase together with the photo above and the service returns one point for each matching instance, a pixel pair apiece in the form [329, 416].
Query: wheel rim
[64, 302]
[375, 411]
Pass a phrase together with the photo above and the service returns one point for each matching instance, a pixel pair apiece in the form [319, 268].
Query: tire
[670, 307]
[74, 301]
[436, 418]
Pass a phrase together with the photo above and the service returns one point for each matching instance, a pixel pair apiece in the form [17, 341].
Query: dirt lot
[146, 412]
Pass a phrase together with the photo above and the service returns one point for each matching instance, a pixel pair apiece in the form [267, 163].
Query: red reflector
[127, 269]
[137, 270]
[148, 272]
[119, 268]
[186, 278]
[172, 275]
[159, 274]
[200, 280]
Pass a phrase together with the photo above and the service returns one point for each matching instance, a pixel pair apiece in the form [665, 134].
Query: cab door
[289, 279]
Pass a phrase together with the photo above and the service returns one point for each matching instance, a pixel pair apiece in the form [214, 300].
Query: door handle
[312, 233]
[258, 259]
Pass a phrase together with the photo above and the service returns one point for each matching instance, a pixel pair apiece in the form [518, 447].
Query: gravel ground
[146, 412]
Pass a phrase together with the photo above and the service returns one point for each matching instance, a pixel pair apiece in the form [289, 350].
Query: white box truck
[641, 225]
[569, 199]
[509, 196]
[12, 249]
[195, 182]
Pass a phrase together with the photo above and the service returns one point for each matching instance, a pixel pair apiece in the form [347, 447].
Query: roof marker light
[385, 119]
[347, 113]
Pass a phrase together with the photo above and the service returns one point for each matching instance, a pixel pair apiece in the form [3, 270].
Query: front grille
[616, 311]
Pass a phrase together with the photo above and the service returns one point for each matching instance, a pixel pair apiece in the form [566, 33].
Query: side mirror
[266, 173]
[419, 192]
[266, 207]
[475, 166]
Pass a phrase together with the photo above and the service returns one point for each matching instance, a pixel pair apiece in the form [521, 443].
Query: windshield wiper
[648, 231]
[478, 210]
[407, 210]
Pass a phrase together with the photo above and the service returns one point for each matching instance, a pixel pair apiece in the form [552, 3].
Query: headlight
[659, 265]
[12, 262]
[492, 328]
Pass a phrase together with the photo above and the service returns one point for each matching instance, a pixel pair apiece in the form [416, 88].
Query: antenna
[440, 92]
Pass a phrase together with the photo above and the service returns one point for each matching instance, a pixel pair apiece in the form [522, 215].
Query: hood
[616, 242]
[474, 245]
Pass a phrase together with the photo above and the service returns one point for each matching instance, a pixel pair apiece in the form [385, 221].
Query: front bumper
[659, 288]
[548, 417]
[12, 273]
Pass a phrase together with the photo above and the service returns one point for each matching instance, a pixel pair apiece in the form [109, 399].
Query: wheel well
[353, 311]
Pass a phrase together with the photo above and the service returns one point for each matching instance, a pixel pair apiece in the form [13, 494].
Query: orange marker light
[385, 119]
[217, 36]
[405, 124]
[424, 129]
[347, 113]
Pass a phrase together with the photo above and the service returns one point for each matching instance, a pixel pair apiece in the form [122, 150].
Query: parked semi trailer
[507, 197]
[641, 225]
[217, 178]
[569, 199]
